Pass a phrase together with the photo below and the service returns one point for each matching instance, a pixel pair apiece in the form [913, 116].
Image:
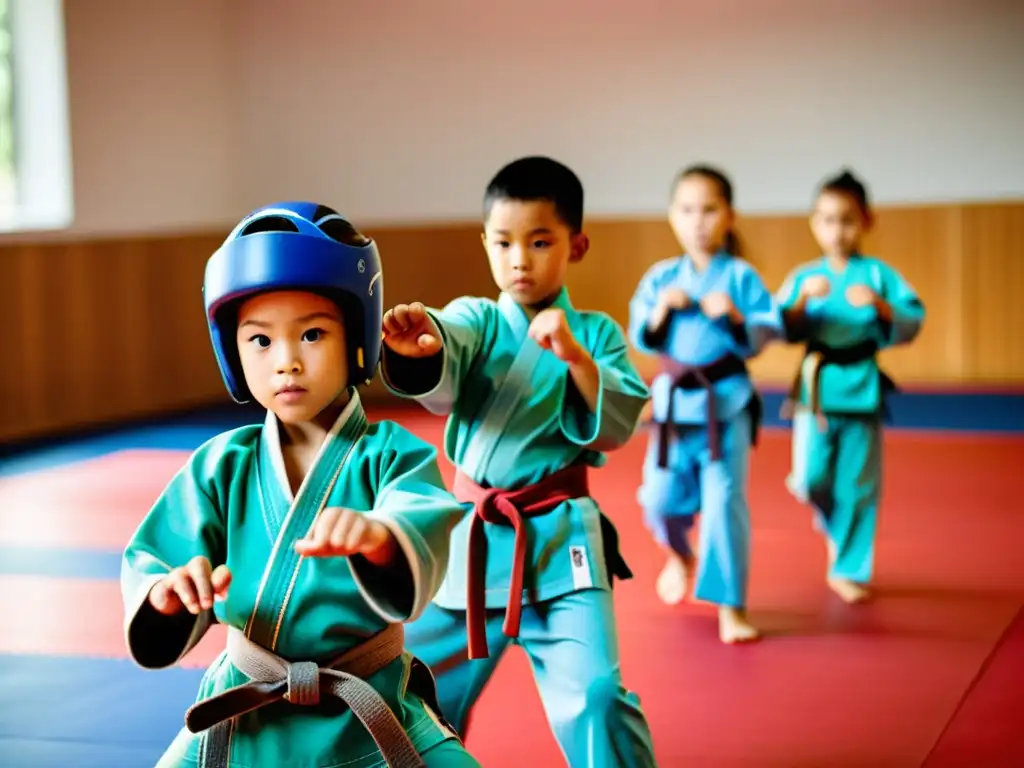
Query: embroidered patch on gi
[580, 568]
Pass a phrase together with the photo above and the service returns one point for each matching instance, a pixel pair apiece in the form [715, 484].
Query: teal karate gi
[514, 419]
[233, 505]
[839, 399]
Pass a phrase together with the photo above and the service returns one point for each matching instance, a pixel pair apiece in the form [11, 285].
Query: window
[35, 140]
[8, 170]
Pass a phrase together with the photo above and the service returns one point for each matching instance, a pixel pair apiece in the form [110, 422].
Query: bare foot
[794, 489]
[674, 579]
[850, 591]
[733, 626]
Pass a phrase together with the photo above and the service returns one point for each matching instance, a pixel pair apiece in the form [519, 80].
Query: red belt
[500, 507]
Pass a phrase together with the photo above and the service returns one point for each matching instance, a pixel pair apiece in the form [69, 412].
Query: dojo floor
[932, 673]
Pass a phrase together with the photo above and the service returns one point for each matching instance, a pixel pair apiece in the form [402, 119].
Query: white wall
[151, 86]
[185, 114]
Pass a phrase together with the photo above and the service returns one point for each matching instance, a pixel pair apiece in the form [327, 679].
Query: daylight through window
[8, 164]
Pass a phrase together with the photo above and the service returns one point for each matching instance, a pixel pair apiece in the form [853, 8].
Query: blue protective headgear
[296, 246]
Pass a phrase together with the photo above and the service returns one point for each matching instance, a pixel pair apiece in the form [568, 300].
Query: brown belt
[500, 507]
[303, 684]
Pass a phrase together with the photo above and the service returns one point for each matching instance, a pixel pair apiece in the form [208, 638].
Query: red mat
[75, 618]
[93, 504]
[831, 685]
[986, 729]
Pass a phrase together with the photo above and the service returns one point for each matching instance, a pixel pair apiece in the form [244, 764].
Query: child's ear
[483, 240]
[580, 246]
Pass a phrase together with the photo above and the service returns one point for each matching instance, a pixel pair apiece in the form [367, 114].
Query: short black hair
[848, 184]
[539, 178]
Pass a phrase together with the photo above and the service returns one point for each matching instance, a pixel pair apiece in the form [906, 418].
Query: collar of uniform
[516, 315]
[272, 430]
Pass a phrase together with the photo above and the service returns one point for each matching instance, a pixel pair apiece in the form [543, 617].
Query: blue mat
[89, 713]
[946, 412]
[993, 413]
[185, 433]
[60, 563]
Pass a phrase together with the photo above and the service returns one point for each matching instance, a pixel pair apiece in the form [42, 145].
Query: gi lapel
[282, 569]
[529, 362]
[504, 399]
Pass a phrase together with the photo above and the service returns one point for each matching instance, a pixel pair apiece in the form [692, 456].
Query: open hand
[342, 532]
[410, 331]
[550, 329]
[191, 588]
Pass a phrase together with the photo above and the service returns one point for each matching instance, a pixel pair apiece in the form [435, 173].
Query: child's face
[293, 351]
[530, 248]
[838, 224]
[699, 215]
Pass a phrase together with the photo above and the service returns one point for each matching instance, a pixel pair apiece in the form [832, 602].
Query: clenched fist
[409, 331]
[550, 329]
[668, 300]
[815, 286]
[860, 296]
[716, 305]
[673, 298]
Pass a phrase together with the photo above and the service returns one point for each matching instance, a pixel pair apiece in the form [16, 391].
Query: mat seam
[985, 664]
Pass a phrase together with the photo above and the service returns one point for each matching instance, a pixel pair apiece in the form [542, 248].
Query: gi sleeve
[436, 382]
[414, 505]
[185, 522]
[621, 394]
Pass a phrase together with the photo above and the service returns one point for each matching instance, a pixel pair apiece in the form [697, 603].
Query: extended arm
[414, 505]
[435, 381]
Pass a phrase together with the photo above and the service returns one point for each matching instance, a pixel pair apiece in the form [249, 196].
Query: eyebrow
[539, 231]
[317, 316]
[300, 320]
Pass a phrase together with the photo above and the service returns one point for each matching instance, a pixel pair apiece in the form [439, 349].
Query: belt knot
[303, 684]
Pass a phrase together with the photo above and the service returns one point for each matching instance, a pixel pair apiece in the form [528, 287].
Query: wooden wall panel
[101, 330]
[991, 288]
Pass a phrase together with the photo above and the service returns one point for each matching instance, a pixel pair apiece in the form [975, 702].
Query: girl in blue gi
[846, 307]
[704, 313]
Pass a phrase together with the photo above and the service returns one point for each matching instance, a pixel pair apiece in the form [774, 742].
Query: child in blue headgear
[313, 536]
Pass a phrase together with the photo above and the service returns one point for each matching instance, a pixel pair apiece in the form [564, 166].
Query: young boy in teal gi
[535, 391]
